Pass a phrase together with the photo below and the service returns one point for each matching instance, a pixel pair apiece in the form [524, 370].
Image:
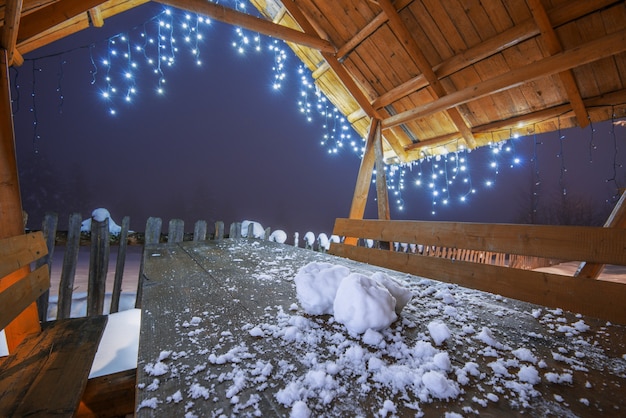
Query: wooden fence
[101, 242]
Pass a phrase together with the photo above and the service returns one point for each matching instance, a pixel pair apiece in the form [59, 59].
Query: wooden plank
[600, 299]
[49, 229]
[70, 262]
[587, 243]
[152, 236]
[18, 296]
[48, 372]
[119, 265]
[612, 44]
[111, 395]
[98, 266]
[253, 23]
[19, 251]
[176, 231]
[219, 230]
[199, 230]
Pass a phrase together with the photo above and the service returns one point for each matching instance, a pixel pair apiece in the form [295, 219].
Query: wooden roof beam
[405, 37]
[246, 21]
[513, 36]
[52, 15]
[606, 46]
[554, 47]
[551, 113]
[8, 37]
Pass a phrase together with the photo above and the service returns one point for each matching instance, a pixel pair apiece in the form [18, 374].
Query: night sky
[221, 144]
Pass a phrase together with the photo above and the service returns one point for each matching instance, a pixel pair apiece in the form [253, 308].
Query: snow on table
[223, 333]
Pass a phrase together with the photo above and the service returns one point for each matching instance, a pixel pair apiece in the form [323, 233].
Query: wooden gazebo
[416, 79]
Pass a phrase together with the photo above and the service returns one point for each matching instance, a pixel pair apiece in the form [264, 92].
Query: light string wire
[59, 85]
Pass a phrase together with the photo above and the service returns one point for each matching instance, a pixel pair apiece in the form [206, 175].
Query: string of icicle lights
[447, 179]
[155, 46]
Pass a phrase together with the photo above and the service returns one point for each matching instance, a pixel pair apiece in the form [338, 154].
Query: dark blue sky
[221, 144]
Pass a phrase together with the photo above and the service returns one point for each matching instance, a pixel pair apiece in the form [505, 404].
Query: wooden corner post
[362, 187]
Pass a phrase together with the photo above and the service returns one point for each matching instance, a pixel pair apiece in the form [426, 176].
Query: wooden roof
[440, 75]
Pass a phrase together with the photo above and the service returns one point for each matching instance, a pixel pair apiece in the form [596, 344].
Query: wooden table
[221, 334]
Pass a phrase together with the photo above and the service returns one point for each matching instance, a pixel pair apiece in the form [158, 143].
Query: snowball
[401, 293]
[316, 286]
[278, 236]
[300, 410]
[439, 386]
[438, 331]
[363, 303]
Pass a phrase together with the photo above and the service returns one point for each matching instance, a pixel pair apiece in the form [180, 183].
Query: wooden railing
[475, 256]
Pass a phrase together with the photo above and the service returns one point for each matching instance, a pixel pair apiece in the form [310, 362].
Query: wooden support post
[364, 179]
[11, 216]
[617, 219]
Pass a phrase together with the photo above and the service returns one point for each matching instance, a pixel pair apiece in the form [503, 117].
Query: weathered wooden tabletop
[222, 334]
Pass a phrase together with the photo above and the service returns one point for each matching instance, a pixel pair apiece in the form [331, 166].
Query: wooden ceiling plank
[8, 37]
[606, 46]
[246, 21]
[554, 47]
[52, 15]
[416, 53]
[499, 43]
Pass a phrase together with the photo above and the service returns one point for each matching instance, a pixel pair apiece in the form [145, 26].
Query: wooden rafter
[8, 37]
[246, 21]
[74, 25]
[554, 47]
[405, 37]
[95, 15]
[52, 15]
[606, 46]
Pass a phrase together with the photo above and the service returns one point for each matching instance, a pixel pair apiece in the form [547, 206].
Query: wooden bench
[593, 245]
[49, 363]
